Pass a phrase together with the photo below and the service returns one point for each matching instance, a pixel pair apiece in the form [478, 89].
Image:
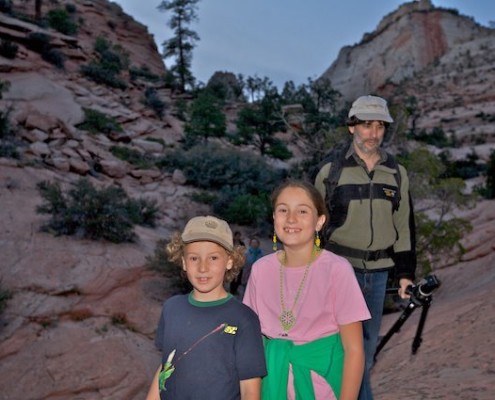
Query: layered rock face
[404, 43]
[81, 320]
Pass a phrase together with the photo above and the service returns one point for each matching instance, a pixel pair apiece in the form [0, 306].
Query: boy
[211, 343]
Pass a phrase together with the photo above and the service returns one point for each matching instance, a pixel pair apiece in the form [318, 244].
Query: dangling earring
[275, 247]
[317, 241]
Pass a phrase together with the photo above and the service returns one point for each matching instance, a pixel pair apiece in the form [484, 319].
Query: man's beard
[361, 145]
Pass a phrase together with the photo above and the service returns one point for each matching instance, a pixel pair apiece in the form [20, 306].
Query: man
[371, 218]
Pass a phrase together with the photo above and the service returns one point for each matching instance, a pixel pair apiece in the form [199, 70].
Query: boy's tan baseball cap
[210, 229]
[370, 108]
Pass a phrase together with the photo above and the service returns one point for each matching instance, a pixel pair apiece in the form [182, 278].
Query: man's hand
[404, 283]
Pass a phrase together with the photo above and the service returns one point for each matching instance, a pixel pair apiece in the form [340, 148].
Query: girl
[309, 304]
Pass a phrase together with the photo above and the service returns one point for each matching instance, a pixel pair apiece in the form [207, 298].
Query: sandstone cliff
[405, 42]
[81, 320]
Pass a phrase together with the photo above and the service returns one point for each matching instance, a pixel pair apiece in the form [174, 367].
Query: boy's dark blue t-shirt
[217, 345]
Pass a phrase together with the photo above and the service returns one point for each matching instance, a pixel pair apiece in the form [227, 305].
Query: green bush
[40, 43]
[237, 178]
[61, 21]
[97, 122]
[54, 57]
[181, 109]
[246, 209]
[152, 100]
[101, 75]
[134, 157]
[175, 277]
[436, 137]
[8, 150]
[5, 296]
[204, 197]
[213, 167]
[488, 190]
[70, 8]
[8, 49]
[279, 150]
[112, 60]
[464, 169]
[113, 57]
[143, 72]
[5, 126]
[6, 6]
[87, 212]
[8, 146]
[142, 212]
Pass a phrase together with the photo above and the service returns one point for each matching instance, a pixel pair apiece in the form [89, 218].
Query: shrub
[204, 197]
[436, 137]
[488, 190]
[8, 150]
[132, 156]
[100, 74]
[245, 209]
[159, 262]
[231, 174]
[5, 127]
[152, 100]
[94, 214]
[8, 147]
[143, 72]
[181, 109]
[61, 21]
[213, 167]
[54, 57]
[70, 8]
[6, 6]
[142, 212]
[8, 49]
[5, 296]
[279, 150]
[464, 169]
[97, 122]
[112, 60]
[40, 43]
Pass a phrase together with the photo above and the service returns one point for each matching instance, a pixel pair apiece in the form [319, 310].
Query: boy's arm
[153, 393]
[250, 389]
[352, 341]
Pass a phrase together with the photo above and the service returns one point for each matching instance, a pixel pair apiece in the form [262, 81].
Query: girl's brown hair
[176, 247]
[312, 192]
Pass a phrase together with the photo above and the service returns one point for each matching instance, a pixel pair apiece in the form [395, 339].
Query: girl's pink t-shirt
[330, 297]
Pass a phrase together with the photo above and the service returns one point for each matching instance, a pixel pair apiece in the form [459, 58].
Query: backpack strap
[393, 164]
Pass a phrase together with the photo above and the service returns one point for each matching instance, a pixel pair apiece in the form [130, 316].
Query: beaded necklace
[287, 317]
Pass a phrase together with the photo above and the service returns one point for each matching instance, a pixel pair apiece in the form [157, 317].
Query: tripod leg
[396, 327]
[418, 339]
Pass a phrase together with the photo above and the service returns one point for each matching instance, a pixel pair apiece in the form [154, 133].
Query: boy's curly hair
[175, 251]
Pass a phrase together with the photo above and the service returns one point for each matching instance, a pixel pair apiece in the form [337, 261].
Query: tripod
[413, 304]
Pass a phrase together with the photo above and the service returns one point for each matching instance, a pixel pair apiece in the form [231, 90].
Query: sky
[280, 39]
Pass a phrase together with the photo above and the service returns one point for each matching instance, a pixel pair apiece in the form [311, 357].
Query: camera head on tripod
[421, 292]
[420, 297]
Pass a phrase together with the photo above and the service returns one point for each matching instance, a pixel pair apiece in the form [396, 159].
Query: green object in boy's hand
[166, 371]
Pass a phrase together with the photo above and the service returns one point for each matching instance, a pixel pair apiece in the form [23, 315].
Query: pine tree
[182, 44]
